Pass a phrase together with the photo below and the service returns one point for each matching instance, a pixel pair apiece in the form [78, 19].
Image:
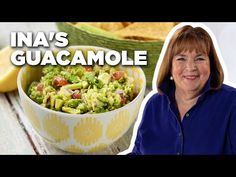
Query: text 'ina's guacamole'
[82, 89]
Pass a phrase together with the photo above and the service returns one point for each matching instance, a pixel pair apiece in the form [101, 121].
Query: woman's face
[190, 71]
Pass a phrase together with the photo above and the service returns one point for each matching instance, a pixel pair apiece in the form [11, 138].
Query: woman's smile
[191, 77]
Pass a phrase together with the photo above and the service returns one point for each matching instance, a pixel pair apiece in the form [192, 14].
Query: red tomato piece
[40, 87]
[118, 75]
[76, 95]
[88, 68]
[58, 82]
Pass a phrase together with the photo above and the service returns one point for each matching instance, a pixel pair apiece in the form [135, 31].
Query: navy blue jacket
[209, 127]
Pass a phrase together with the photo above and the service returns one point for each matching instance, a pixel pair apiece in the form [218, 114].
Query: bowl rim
[152, 42]
[62, 114]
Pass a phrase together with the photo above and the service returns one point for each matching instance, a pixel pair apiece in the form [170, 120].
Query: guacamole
[82, 89]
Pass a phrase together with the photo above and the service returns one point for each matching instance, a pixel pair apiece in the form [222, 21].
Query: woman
[193, 111]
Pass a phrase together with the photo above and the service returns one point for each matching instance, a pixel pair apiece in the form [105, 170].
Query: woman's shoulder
[155, 95]
[156, 98]
[228, 92]
[227, 89]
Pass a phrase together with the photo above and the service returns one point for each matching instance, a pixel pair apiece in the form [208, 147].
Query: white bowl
[86, 133]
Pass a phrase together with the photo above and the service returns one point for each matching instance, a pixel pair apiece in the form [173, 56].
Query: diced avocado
[84, 92]
[90, 77]
[45, 99]
[82, 107]
[70, 110]
[58, 104]
[74, 86]
[110, 100]
[52, 102]
[105, 78]
[70, 77]
[117, 100]
[84, 84]
[102, 98]
[73, 103]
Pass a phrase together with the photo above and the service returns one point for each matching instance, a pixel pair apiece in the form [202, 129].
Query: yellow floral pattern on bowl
[98, 148]
[81, 133]
[31, 115]
[136, 111]
[136, 75]
[118, 125]
[88, 131]
[74, 149]
[56, 128]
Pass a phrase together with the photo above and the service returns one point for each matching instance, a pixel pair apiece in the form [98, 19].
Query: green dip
[82, 89]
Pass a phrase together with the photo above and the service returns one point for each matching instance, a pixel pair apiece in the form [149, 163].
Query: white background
[225, 34]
